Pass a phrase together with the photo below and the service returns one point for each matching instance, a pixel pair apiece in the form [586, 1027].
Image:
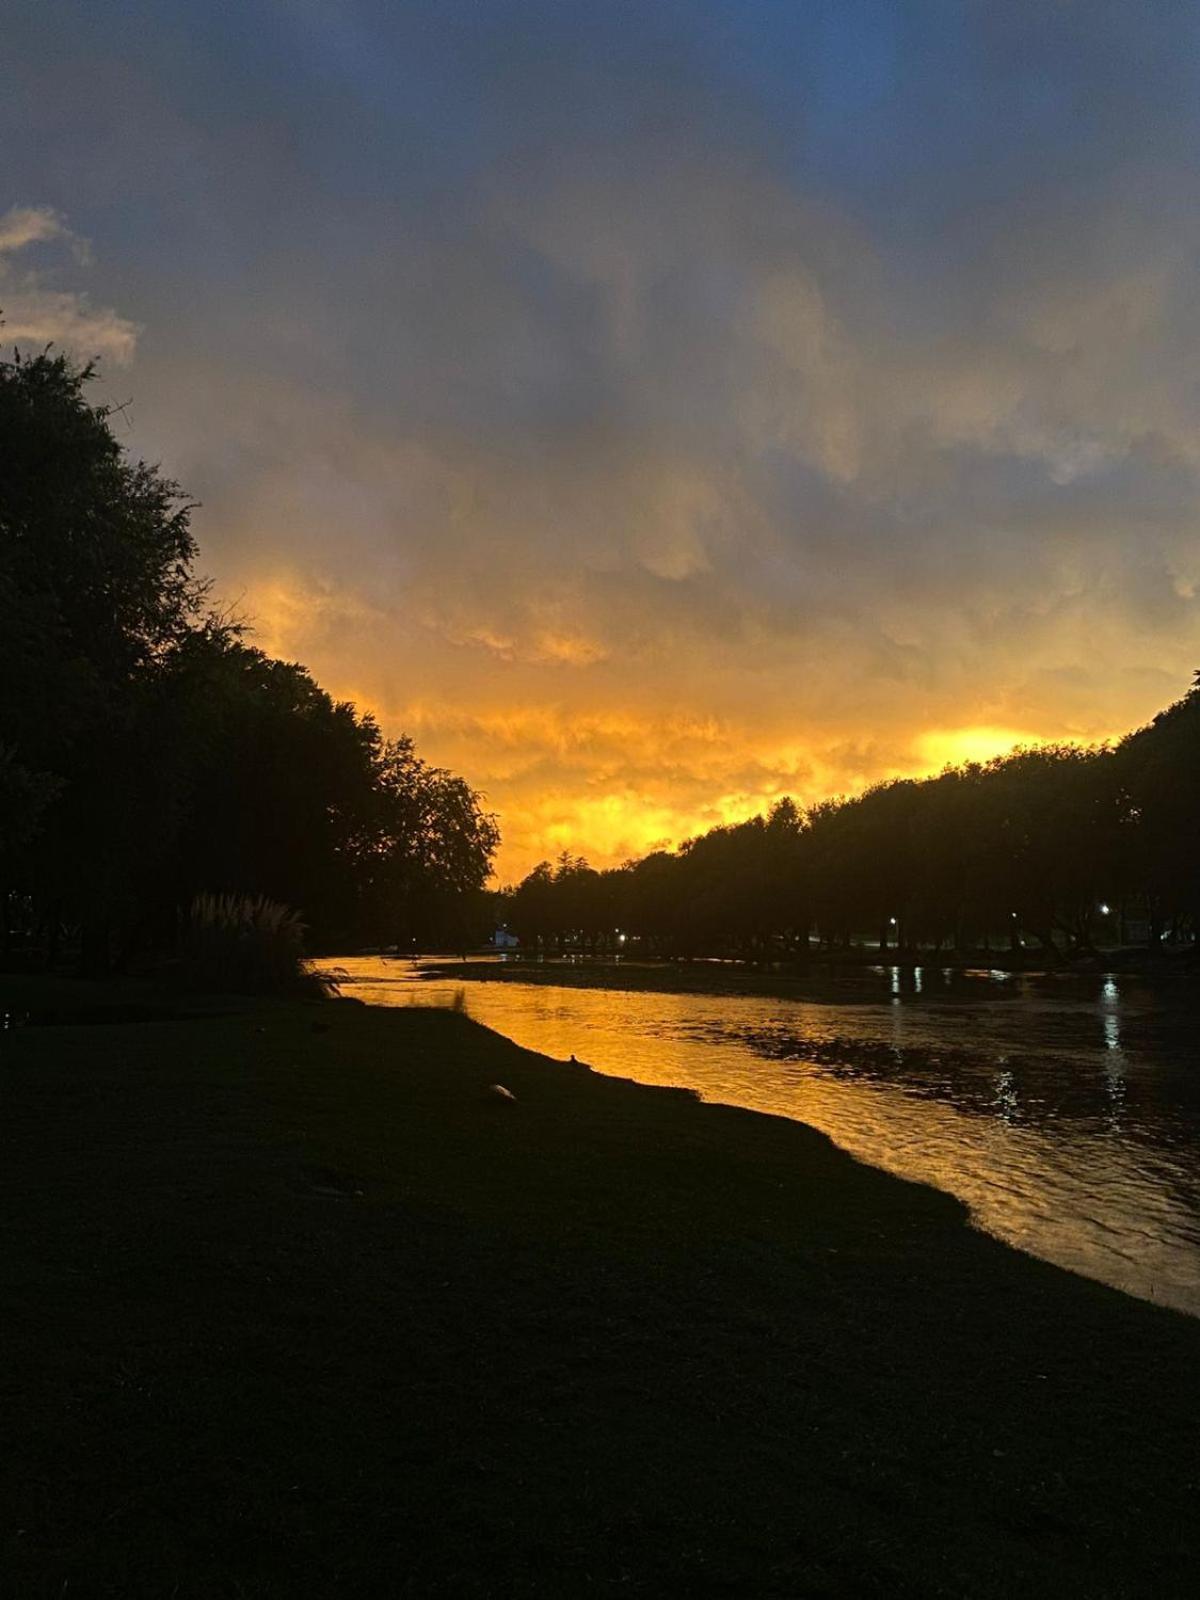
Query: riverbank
[293, 1306]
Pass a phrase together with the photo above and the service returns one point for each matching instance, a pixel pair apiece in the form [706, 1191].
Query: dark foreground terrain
[290, 1306]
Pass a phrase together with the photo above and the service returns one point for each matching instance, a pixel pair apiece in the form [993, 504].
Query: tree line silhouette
[150, 755]
[1056, 849]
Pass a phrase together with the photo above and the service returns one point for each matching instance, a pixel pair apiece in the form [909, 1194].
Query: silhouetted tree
[148, 754]
[1029, 847]
[1159, 766]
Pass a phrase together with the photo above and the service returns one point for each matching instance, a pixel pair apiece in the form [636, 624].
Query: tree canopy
[1057, 848]
[149, 753]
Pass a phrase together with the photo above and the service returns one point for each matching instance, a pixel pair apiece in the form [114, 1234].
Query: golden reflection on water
[1076, 1191]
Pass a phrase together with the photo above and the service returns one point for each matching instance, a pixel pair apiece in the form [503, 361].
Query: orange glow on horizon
[953, 747]
[575, 750]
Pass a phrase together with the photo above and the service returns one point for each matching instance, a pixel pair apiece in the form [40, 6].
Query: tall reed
[244, 944]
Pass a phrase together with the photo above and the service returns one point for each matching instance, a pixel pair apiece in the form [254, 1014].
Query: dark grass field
[289, 1306]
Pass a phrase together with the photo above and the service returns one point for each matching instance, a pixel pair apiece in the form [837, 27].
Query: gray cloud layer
[657, 408]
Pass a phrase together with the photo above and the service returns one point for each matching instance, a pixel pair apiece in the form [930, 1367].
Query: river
[1063, 1110]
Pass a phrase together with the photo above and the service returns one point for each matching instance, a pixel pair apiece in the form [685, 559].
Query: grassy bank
[290, 1306]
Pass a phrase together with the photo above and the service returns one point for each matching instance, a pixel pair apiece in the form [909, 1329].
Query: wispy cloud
[26, 225]
[35, 313]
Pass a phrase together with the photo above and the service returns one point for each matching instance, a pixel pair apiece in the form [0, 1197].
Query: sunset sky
[656, 407]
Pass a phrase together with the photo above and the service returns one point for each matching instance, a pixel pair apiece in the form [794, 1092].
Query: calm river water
[1065, 1111]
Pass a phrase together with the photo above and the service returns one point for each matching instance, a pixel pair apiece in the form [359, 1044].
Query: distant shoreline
[730, 977]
